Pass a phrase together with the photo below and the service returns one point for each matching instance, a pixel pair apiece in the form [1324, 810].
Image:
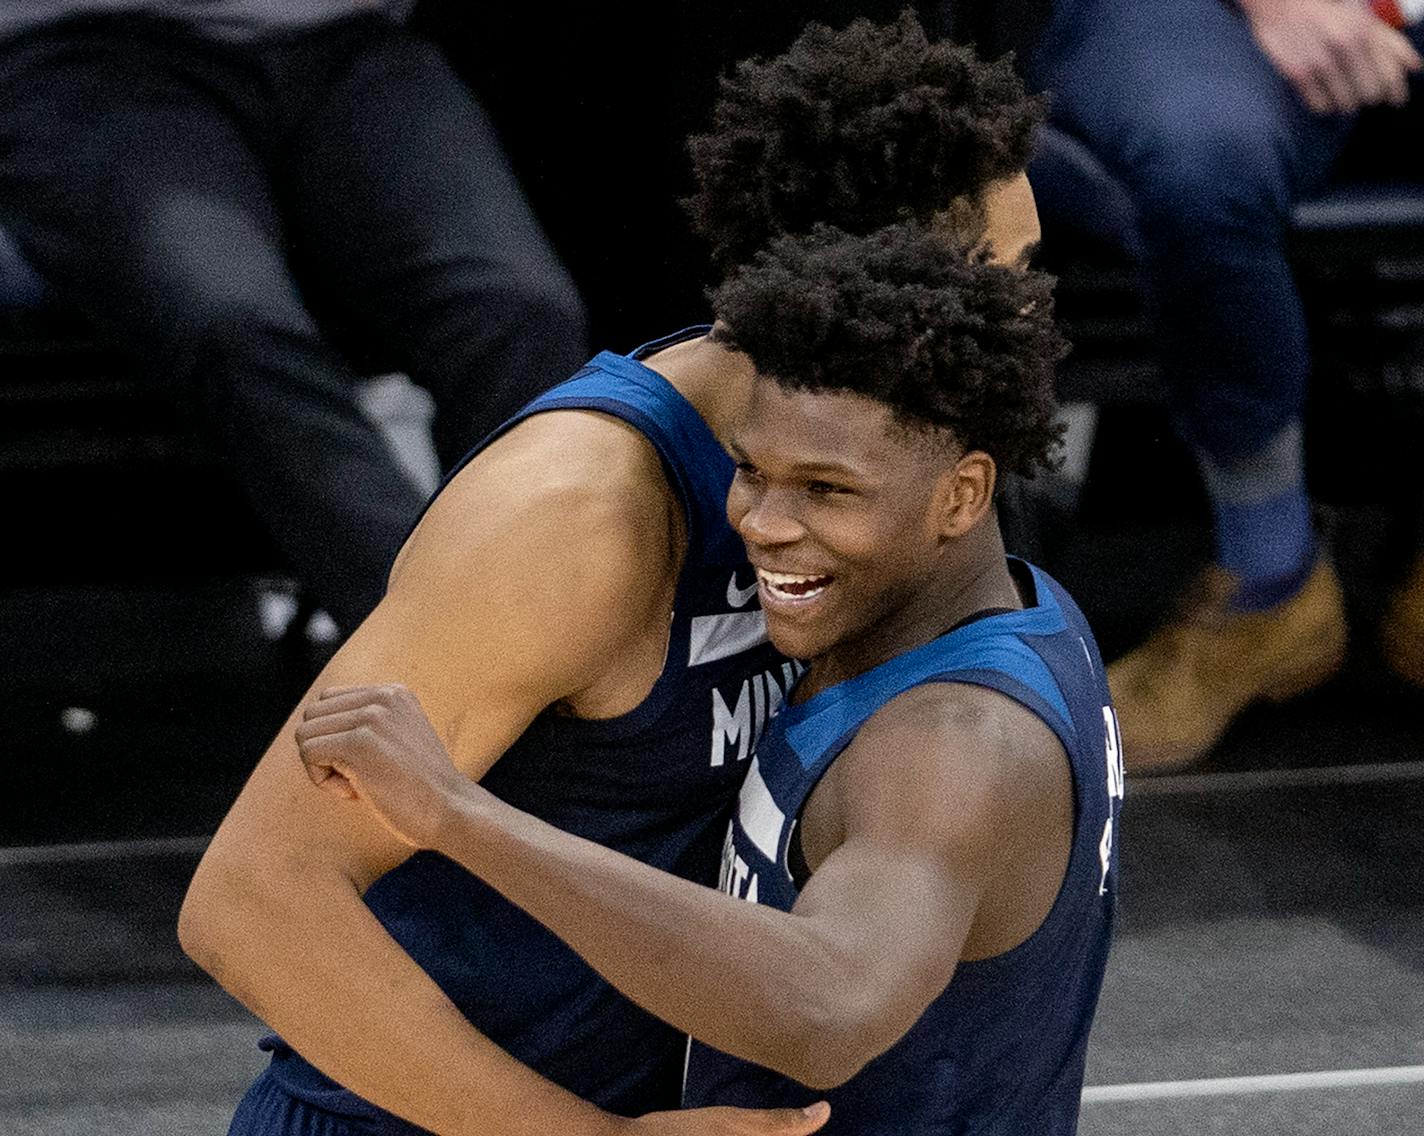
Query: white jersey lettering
[740, 723]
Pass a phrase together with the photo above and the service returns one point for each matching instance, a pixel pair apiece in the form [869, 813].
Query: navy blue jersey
[1001, 1050]
[656, 783]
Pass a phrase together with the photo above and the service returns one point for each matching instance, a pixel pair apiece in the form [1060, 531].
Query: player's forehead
[805, 428]
[1011, 225]
[1001, 219]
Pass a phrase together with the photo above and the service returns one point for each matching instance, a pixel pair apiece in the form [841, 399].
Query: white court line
[1181, 784]
[102, 850]
[1245, 1086]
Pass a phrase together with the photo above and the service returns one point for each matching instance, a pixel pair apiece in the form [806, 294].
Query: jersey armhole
[794, 860]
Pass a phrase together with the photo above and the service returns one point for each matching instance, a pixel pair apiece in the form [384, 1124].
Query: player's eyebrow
[810, 468]
[834, 469]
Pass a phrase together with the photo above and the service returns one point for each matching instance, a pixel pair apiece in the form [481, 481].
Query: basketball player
[927, 832]
[581, 624]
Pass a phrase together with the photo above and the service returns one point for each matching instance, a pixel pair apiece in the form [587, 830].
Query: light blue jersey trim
[991, 645]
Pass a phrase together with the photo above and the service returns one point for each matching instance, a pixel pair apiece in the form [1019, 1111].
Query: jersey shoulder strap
[697, 466]
[996, 652]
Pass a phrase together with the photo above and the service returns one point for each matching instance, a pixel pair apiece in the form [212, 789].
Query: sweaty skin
[817, 992]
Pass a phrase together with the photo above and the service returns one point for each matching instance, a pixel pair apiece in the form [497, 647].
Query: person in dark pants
[198, 184]
[1218, 117]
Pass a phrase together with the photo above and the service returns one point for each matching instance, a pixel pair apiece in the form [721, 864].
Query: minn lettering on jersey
[737, 722]
[639, 783]
[739, 713]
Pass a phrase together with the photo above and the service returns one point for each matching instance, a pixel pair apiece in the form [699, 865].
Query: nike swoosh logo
[739, 597]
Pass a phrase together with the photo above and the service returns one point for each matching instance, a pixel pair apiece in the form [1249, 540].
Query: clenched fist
[375, 744]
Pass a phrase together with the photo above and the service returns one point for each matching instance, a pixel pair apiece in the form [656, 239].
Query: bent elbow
[830, 1068]
[831, 1046]
[197, 934]
[216, 920]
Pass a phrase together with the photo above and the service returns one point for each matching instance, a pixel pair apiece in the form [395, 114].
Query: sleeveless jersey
[1002, 1049]
[656, 783]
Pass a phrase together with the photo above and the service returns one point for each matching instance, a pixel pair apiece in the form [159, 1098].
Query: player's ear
[966, 494]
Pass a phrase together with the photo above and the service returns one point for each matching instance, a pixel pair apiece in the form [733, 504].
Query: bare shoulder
[566, 492]
[546, 563]
[942, 743]
[524, 584]
[570, 450]
[965, 785]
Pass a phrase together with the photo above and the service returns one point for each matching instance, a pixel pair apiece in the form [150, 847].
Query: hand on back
[1337, 54]
[733, 1122]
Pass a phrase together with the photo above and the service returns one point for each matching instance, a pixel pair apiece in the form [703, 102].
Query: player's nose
[768, 520]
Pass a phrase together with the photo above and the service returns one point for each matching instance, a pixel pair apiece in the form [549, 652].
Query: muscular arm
[873, 937]
[514, 593]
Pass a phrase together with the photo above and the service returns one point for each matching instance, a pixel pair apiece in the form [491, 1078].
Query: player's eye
[745, 469]
[824, 488]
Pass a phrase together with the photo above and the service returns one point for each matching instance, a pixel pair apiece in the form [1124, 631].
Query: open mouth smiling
[785, 589]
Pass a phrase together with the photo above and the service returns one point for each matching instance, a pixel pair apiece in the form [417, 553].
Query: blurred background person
[244, 193]
[1217, 118]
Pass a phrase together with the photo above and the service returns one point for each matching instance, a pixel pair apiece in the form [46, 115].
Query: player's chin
[801, 634]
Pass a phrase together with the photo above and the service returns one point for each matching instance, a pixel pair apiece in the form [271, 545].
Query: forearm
[305, 954]
[762, 984]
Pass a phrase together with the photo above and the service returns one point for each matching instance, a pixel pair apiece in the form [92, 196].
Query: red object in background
[1398, 13]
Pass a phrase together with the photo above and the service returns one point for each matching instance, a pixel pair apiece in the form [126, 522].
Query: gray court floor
[1272, 928]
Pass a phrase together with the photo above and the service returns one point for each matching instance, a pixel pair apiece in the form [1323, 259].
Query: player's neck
[717, 382]
[975, 579]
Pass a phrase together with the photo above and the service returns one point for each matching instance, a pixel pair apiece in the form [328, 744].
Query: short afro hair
[856, 128]
[949, 342]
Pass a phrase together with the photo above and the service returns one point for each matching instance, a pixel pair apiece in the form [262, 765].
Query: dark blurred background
[151, 640]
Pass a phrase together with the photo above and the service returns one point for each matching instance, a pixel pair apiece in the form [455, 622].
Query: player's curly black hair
[855, 128]
[948, 341]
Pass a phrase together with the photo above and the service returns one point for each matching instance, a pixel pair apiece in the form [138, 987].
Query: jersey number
[1115, 780]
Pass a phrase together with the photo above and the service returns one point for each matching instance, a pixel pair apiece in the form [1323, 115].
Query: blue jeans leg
[1179, 102]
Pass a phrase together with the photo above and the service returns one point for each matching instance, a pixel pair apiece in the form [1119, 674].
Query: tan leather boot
[1177, 693]
[1402, 629]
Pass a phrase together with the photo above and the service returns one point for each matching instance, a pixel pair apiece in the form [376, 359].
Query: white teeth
[781, 579]
[777, 583]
